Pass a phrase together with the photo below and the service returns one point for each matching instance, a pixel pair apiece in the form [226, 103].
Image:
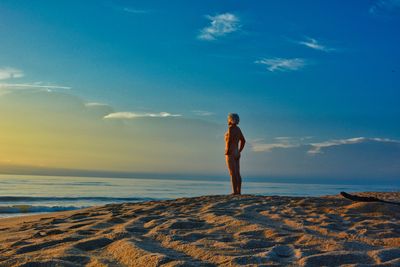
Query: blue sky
[312, 72]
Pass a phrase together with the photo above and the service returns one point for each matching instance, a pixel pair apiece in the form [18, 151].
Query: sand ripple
[210, 231]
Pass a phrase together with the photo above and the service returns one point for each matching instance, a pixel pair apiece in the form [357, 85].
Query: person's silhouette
[232, 151]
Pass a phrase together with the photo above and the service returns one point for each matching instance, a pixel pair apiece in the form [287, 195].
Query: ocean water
[24, 195]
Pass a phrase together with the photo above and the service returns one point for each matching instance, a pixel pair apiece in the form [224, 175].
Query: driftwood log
[366, 199]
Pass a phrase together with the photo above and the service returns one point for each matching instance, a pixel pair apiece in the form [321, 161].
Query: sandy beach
[242, 230]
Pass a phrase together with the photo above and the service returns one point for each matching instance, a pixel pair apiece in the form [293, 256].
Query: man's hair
[233, 118]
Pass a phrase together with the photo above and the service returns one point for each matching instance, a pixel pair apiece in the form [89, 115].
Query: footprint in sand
[21, 243]
[43, 245]
[192, 237]
[255, 244]
[115, 220]
[79, 216]
[57, 221]
[93, 244]
[136, 230]
[385, 255]
[283, 252]
[78, 259]
[79, 225]
[250, 234]
[102, 225]
[336, 258]
[48, 263]
[146, 219]
[86, 232]
[186, 224]
[40, 234]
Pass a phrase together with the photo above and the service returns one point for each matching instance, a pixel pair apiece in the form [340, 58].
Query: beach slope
[210, 231]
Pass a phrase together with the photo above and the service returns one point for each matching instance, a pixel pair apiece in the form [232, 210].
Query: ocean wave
[72, 199]
[32, 209]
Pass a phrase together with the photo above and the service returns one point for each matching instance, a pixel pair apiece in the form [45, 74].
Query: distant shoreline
[49, 194]
[210, 177]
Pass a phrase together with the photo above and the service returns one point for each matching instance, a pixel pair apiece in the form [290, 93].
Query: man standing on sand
[232, 151]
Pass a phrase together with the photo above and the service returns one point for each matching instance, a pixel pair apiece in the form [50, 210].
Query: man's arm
[228, 141]
[242, 142]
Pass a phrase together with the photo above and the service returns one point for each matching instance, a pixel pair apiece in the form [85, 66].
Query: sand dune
[210, 231]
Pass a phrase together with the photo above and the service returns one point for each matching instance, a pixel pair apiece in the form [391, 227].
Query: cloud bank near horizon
[59, 130]
[68, 132]
[317, 147]
[359, 157]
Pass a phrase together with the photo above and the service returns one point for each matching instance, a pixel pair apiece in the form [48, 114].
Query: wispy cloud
[260, 147]
[10, 73]
[133, 115]
[220, 25]
[283, 138]
[385, 7]
[202, 113]
[136, 10]
[313, 148]
[39, 85]
[316, 45]
[282, 64]
[280, 142]
[318, 147]
[128, 9]
[95, 104]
